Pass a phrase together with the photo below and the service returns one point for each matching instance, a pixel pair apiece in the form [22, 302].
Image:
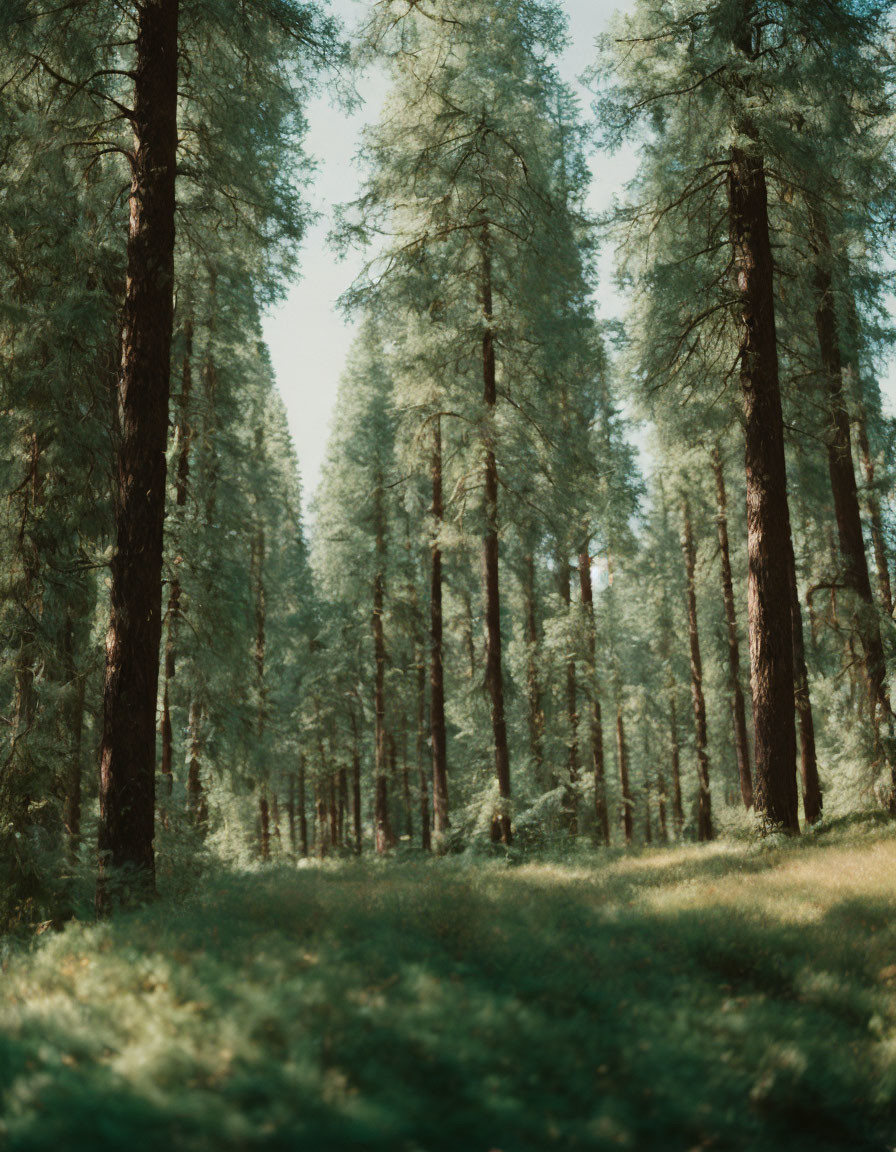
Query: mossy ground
[689, 998]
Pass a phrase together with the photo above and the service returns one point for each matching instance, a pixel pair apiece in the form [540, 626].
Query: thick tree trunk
[843, 485]
[738, 708]
[768, 516]
[704, 807]
[128, 759]
[438, 732]
[628, 804]
[598, 765]
[808, 762]
[494, 672]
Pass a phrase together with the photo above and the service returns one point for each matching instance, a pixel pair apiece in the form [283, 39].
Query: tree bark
[675, 761]
[738, 709]
[73, 719]
[533, 687]
[422, 775]
[438, 732]
[382, 825]
[843, 485]
[628, 804]
[598, 765]
[768, 515]
[881, 561]
[128, 759]
[812, 801]
[303, 815]
[704, 805]
[571, 799]
[494, 673]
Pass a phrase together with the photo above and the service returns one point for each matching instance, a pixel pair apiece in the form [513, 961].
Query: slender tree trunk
[598, 766]
[357, 820]
[704, 807]
[438, 732]
[844, 488]
[333, 810]
[675, 761]
[73, 719]
[768, 516]
[196, 802]
[494, 673]
[265, 824]
[808, 763]
[382, 824]
[738, 709]
[628, 804]
[303, 815]
[170, 668]
[291, 812]
[881, 562]
[128, 759]
[422, 775]
[661, 807]
[533, 687]
[571, 801]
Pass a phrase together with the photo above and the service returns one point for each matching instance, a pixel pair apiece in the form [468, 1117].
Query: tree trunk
[128, 758]
[738, 709]
[628, 804]
[73, 719]
[704, 812]
[533, 688]
[438, 730]
[265, 823]
[196, 804]
[422, 775]
[598, 766]
[881, 562]
[303, 815]
[382, 825]
[494, 673]
[808, 763]
[291, 812]
[843, 485]
[675, 750]
[571, 798]
[768, 516]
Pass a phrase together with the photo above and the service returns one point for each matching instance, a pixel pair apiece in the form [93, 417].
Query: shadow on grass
[438, 1008]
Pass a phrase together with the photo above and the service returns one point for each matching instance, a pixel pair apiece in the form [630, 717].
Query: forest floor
[726, 997]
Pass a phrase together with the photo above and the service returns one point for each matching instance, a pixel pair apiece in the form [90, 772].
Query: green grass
[718, 998]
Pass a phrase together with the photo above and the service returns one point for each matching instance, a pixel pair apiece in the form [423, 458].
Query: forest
[531, 783]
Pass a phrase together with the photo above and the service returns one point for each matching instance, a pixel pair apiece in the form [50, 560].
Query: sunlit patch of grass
[687, 997]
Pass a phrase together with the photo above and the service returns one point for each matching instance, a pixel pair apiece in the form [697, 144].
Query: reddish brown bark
[128, 757]
[738, 708]
[704, 800]
[598, 765]
[494, 673]
[265, 826]
[420, 754]
[768, 516]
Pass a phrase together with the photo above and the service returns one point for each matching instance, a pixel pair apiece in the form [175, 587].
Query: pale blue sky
[308, 335]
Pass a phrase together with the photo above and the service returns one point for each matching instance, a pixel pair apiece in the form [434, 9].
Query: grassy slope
[694, 998]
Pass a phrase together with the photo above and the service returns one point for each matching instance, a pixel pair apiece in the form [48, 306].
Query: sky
[308, 334]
